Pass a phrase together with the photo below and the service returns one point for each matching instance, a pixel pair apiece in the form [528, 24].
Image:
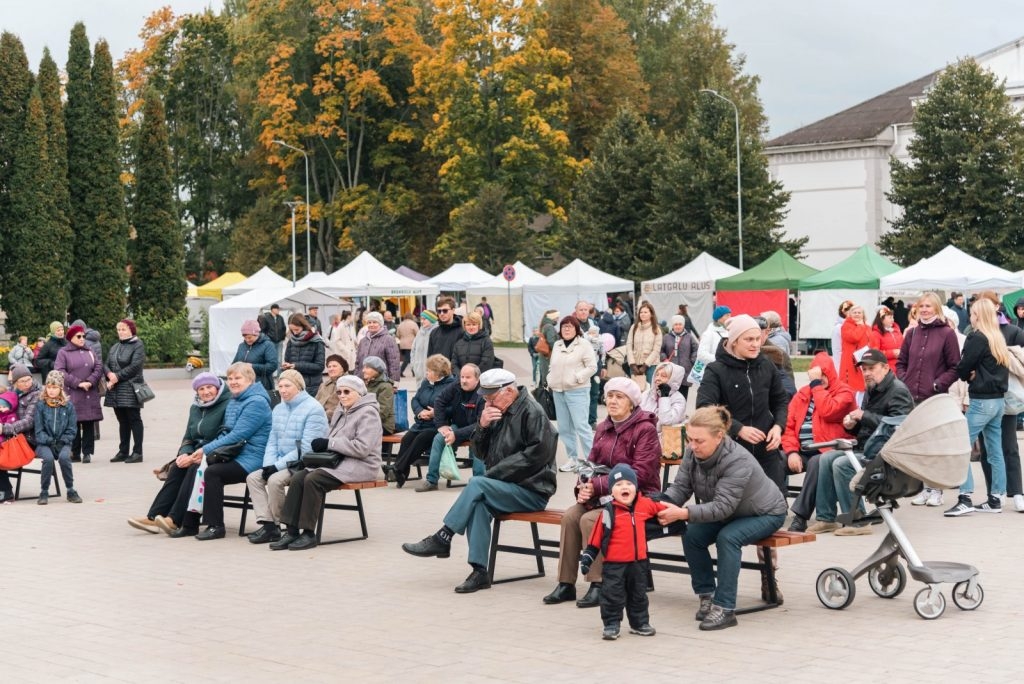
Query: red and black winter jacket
[621, 536]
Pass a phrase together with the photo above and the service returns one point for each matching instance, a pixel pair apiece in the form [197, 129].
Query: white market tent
[562, 289]
[951, 269]
[364, 276]
[459, 278]
[310, 279]
[693, 285]
[504, 298]
[261, 279]
[226, 317]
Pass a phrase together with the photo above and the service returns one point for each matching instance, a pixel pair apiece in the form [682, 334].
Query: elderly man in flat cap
[517, 444]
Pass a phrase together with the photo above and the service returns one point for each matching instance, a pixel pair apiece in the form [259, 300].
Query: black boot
[562, 593]
[592, 598]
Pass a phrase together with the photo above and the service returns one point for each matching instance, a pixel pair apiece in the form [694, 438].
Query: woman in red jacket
[856, 335]
[886, 336]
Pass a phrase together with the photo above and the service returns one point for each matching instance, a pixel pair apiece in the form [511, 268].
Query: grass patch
[801, 363]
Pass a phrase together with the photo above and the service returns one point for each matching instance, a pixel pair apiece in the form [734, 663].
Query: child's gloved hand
[587, 559]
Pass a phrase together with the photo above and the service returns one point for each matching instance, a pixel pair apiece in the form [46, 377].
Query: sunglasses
[79, 335]
[344, 391]
[443, 310]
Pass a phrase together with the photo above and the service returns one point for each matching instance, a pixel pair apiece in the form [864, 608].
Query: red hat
[74, 330]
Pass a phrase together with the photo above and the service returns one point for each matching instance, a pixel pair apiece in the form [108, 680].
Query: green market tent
[763, 288]
[859, 271]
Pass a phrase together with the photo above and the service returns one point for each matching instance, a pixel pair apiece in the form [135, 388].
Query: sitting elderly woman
[375, 375]
[628, 435]
[739, 505]
[355, 434]
[326, 395]
[246, 423]
[297, 420]
[418, 438]
[663, 398]
[204, 420]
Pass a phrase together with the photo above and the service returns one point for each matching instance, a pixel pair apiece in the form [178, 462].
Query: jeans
[473, 511]
[571, 409]
[729, 537]
[985, 417]
[434, 466]
[595, 394]
[45, 453]
[1011, 457]
[834, 475]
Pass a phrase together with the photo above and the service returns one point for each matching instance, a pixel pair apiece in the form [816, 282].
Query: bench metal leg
[357, 507]
[538, 552]
[246, 505]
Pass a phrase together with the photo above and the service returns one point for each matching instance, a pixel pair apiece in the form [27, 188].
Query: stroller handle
[842, 444]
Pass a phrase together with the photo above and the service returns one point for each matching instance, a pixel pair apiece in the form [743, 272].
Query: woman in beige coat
[573, 363]
[643, 345]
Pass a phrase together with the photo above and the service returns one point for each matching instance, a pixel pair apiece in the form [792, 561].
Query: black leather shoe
[562, 593]
[212, 533]
[427, 547]
[305, 541]
[134, 458]
[119, 457]
[592, 598]
[284, 542]
[266, 534]
[476, 581]
[183, 532]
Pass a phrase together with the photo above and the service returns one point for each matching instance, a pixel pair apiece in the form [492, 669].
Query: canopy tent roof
[459, 277]
[409, 273]
[310, 279]
[498, 285]
[780, 271]
[859, 271]
[364, 276]
[951, 269]
[580, 277]
[262, 278]
[703, 268]
[214, 287]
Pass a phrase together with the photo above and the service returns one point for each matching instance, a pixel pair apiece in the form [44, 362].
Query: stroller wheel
[929, 604]
[835, 588]
[964, 601]
[887, 579]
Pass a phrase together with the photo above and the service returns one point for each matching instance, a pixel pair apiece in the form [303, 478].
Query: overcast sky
[814, 57]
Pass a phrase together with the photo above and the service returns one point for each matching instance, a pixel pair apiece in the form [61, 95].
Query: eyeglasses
[79, 335]
[344, 391]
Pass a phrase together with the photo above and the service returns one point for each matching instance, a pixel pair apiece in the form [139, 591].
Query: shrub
[166, 340]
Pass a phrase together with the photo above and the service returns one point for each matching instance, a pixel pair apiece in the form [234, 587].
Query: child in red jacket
[622, 539]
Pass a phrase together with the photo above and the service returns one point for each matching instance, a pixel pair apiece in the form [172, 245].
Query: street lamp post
[292, 206]
[739, 182]
[309, 262]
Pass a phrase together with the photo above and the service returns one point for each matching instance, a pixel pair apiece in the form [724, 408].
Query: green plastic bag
[449, 469]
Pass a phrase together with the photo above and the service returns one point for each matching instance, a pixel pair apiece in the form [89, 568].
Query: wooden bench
[245, 504]
[659, 560]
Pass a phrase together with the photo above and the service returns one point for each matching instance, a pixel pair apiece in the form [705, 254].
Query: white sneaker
[1018, 502]
[922, 498]
[569, 466]
[934, 497]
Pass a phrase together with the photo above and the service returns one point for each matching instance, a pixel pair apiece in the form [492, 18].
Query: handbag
[542, 347]
[401, 410]
[1014, 398]
[225, 453]
[101, 386]
[546, 400]
[15, 452]
[322, 459]
[143, 392]
[449, 468]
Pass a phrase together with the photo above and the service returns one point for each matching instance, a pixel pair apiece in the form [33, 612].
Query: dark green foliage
[35, 293]
[158, 272]
[166, 338]
[488, 232]
[15, 86]
[77, 121]
[963, 183]
[61, 249]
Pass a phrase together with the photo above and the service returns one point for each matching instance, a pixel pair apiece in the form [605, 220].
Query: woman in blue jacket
[247, 419]
[258, 351]
[55, 431]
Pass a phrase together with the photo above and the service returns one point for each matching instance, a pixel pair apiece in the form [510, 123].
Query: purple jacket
[80, 364]
[634, 441]
[384, 346]
[928, 359]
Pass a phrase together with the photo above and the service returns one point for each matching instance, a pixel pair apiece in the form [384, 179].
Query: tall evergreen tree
[15, 87]
[77, 124]
[35, 296]
[57, 154]
[158, 255]
[101, 239]
[963, 184]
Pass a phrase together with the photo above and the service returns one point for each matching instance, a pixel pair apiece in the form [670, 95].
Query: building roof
[864, 121]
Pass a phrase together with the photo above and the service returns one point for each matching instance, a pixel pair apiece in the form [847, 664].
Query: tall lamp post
[739, 182]
[292, 206]
[309, 253]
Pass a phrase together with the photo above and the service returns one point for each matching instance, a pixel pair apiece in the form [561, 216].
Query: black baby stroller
[930, 447]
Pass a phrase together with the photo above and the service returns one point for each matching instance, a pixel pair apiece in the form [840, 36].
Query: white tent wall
[699, 303]
[819, 310]
[536, 302]
[500, 308]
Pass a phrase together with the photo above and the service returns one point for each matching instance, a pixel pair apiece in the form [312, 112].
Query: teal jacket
[55, 424]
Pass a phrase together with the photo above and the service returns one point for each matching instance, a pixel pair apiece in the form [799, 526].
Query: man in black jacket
[447, 331]
[272, 325]
[457, 409]
[517, 444]
[885, 397]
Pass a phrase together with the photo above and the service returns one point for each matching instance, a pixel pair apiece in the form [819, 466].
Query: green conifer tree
[57, 155]
[15, 86]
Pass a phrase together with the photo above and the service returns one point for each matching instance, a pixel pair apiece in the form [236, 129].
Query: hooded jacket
[355, 434]
[520, 448]
[709, 341]
[752, 391]
[26, 422]
[680, 349]
[928, 359]
[476, 348]
[634, 442]
[382, 345]
[300, 420]
[670, 410]
[55, 425]
[887, 341]
[204, 422]
[247, 419]
[855, 336]
[622, 534]
[729, 484]
[262, 356]
[306, 351]
[831, 404]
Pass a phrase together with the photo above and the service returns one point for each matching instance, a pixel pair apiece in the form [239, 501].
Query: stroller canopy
[931, 444]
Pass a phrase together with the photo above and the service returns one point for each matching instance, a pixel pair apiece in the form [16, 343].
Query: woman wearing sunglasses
[82, 369]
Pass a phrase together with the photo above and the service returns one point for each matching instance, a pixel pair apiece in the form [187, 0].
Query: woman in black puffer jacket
[124, 369]
[474, 346]
[305, 352]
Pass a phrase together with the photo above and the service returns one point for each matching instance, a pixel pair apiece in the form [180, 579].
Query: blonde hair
[936, 303]
[985, 322]
[473, 317]
[714, 419]
[241, 368]
[440, 365]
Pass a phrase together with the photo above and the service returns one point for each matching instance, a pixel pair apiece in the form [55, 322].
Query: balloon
[609, 341]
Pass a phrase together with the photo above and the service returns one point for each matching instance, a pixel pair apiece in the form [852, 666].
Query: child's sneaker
[643, 630]
[992, 505]
[73, 496]
[611, 632]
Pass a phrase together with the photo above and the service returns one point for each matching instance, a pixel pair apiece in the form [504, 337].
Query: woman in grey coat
[125, 360]
[738, 505]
